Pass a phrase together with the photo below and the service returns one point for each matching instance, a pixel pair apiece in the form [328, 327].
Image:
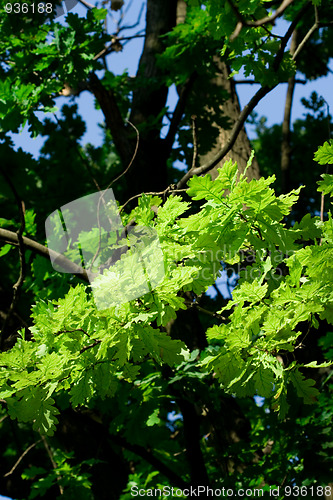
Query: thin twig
[54, 465]
[87, 4]
[108, 187]
[317, 24]
[313, 28]
[72, 331]
[287, 36]
[90, 346]
[122, 28]
[195, 142]
[116, 41]
[253, 82]
[218, 291]
[21, 458]
[207, 312]
[133, 157]
[17, 286]
[170, 189]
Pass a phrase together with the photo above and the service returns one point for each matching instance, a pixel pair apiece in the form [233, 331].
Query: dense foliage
[176, 387]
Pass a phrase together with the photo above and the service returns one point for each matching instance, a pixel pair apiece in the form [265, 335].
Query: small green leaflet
[34, 405]
[228, 368]
[324, 154]
[172, 208]
[160, 346]
[304, 387]
[326, 185]
[4, 250]
[314, 364]
[250, 292]
[153, 418]
[264, 380]
[204, 188]
[281, 404]
[82, 390]
[45, 418]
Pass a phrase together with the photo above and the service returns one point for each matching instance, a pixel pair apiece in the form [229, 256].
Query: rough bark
[222, 121]
[219, 116]
[285, 145]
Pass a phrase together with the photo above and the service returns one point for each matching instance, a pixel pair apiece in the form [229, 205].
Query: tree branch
[12, 238]
[151, 459]
[253, 82]
[317, 24]
[17, 286]
[260, 22]
[86, 4]
[179, 111]
[247, 110]
[192, 436]
[21, 458]
[54, 465]
[195, 142]
[113, 118]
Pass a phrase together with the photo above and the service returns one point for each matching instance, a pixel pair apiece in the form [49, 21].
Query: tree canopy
[132, 372]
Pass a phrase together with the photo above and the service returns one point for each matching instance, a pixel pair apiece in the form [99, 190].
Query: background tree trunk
[220, 118]
[227, 113]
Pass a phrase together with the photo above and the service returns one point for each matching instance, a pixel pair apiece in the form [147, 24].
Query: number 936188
[29, 8]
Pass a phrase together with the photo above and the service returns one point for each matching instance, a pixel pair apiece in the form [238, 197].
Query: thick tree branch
[260, 22]
[192, 436]
[86, 4]
[150, 95]
[179, 111]
[253, 82]
[12, 238]
[113, 118]
[247, 110]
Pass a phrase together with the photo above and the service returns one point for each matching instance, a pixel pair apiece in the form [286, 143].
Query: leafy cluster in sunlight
[82, 355]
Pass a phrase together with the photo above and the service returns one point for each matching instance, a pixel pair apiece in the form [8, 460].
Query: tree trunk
[285, 145]
[223, 119]
[149, 170]
[217, 118]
